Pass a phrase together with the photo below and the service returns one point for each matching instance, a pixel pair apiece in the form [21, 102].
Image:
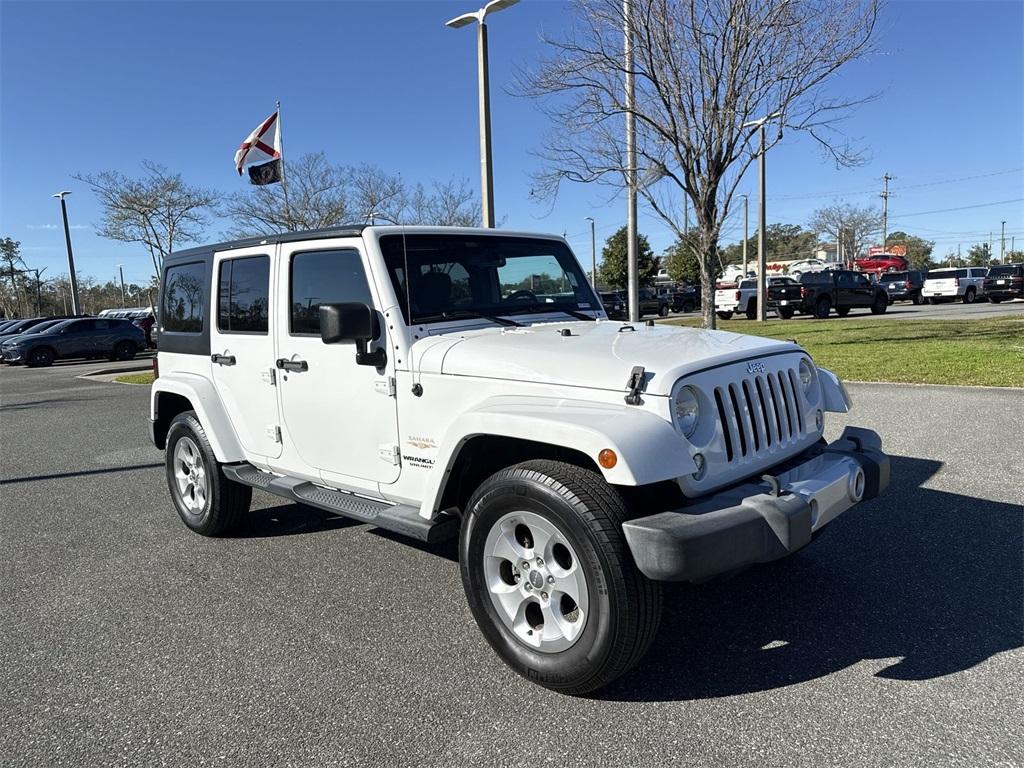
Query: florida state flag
[262, 158]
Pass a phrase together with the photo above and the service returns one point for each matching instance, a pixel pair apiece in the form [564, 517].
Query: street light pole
[593, 253]
[76, 308]
[762, 234]
[746, 230]
[120, 271]
[484, 96]
[1002, 244]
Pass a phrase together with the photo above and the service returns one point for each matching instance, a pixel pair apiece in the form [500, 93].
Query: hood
[596, 355]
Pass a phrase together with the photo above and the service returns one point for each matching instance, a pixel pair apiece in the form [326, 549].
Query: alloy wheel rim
[536, 581]
[190, 475]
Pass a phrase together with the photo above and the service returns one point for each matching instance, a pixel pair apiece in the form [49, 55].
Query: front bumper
[761, 521]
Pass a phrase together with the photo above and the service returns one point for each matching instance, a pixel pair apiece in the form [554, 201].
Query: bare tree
[854, 225]
[157, 209]
[319, 195]
[451, 204]
[11, 269]
[704, 70]
[378, 194]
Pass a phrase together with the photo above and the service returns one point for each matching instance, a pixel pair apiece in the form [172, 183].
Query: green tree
[11, 265]
[614, 269]
[682, 259]
[979, 255]
[919, 250]
[784, 242]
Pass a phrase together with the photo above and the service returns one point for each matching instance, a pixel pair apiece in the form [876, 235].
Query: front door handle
[223, 359]
[292, 365]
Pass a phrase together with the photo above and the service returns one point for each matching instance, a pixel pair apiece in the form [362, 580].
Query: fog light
[702, 466]
[607, 458]
[819, 420]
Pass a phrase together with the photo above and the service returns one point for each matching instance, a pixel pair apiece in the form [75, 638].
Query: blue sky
[88, 86]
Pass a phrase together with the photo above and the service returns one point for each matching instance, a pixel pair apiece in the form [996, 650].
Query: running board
[398, 518]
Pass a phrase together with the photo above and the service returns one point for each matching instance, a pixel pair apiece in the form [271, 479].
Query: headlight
[687, 410]
[806, 375]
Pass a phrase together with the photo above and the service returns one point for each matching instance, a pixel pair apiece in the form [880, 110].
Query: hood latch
[635, 384]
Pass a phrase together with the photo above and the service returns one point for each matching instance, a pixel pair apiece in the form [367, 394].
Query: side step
[398, 518]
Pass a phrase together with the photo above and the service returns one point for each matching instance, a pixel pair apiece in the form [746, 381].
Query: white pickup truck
[742, 298]
[443, 382]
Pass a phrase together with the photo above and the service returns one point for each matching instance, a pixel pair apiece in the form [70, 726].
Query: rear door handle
[292, 365]
[223, 359]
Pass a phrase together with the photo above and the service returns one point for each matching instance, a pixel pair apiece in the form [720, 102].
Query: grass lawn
[987, 352]
[145, 377]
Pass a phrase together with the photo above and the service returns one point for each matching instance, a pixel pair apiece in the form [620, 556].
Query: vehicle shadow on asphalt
[921, 582]
[289, 519]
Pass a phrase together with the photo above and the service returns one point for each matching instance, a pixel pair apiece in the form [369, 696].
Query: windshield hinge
[386, 386]
[390, 453]
[635, 384]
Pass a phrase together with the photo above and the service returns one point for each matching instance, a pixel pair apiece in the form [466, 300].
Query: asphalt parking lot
[904, 309]
[304, 640]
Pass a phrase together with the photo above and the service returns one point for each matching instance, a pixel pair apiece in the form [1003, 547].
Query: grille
[759, 413]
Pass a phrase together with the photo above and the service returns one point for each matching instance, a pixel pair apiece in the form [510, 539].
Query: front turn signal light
[607, 458]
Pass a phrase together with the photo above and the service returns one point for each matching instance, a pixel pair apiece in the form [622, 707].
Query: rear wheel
[751, 311]
[916, 299]
[688, 306]
[969, 296]
[785, 312]
[724, 315]
[880, 304]
[549, 577]
[40, 357]
[994, 300]
[822, 307]
[663, 310]
[206, 500]
[124, 350]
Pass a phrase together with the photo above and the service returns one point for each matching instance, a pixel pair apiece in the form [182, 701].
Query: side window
[843, 279]
[184, 298]
[243, 296]
[862, 281]
[101, 325]
[323, 277]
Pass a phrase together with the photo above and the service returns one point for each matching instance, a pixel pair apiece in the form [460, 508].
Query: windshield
[44, 326]
[459, 276]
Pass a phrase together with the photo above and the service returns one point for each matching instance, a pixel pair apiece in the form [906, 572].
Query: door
[242, 349]
[76, 338]
[101, 340]
[340, 417]
[863, 291]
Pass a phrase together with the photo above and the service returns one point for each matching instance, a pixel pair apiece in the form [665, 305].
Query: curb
[137, 367]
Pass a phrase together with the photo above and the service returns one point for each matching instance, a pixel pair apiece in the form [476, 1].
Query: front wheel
[822, 307]
[880, 304]
[663, 310]
[786, 313]
[549, 577]
[842, 311]
[207, 501]
[40, 357]
[688, 306]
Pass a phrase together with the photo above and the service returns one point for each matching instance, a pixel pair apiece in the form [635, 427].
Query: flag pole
[284, 181]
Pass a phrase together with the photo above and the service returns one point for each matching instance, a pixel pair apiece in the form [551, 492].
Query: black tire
[994, 300]
[225, 501]
[842, 311]
[880, 305]
[688, 306]
[724, 315]
[40, 357]
[822, 307]
[786, 313]
[125, 350]
[663, 310]
[751, 311]
[970, 295]
[625, 606]
[916, 299]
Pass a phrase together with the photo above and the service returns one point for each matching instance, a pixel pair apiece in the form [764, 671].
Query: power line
[960, 208]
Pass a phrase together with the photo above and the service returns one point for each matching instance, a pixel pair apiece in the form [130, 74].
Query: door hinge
[389, 452]
[269, 376]
[274, 432]
[386, 386]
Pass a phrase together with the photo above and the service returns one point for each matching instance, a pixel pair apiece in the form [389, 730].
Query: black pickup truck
[818, 293]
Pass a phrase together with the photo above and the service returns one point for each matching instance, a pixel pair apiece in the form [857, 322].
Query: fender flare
[836, 398]
[201, 393]
[648, 447]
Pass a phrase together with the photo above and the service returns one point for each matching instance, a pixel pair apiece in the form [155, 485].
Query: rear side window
[324, 277]
[1007, 270]
[243, 303]
[184, 298]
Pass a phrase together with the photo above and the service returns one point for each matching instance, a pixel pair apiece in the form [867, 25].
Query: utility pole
[885, 212]
[593, 253]
[746, 231]
[762, 235]
[633, 271]
[76, 307]
[1002, 244]
[120, 271]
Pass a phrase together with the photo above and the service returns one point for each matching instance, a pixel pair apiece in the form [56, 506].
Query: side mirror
[352, 321]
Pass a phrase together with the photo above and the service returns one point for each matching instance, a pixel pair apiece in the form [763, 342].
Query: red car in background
[883, 262]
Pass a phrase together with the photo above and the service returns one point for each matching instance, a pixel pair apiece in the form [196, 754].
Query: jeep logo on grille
[755, 367]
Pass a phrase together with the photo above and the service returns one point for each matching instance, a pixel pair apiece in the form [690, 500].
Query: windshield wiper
[550, 308]
[459, 314]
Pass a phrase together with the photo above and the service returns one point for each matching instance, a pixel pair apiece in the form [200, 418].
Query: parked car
[82, 337]
[1005, 282]
[615, 304]
[883, 262]
[798, 268]
[964, 283]
[653, 303]
[743, 298]
[34, 330]
[400, 377]
[818, 293]
[686, 300]
[903, 286]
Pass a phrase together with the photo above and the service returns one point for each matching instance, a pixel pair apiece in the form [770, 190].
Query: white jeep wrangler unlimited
[462, 382]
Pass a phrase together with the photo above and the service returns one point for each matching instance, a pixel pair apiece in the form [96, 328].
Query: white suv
[965, 283]
[466, 382]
